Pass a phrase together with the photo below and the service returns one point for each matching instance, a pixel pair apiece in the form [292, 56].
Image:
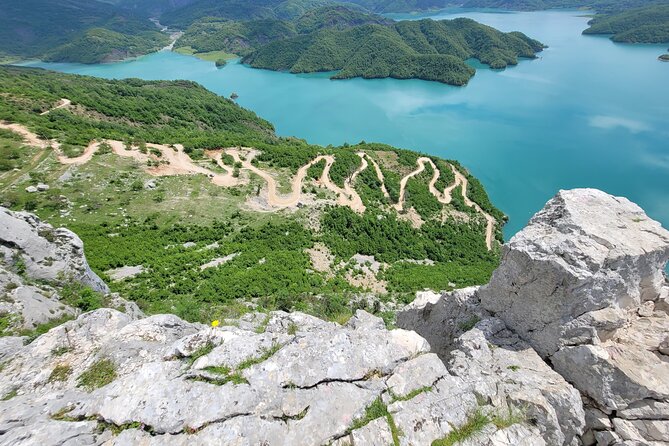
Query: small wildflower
[215, 323]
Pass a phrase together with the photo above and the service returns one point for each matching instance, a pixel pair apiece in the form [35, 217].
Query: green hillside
[240, 10]
[242, 37]
[284, 9]
[74, 31]
[208, 247]
[642, 25]
[103, 45]
[425, 49]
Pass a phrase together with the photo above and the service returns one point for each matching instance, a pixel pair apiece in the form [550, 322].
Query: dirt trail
[446, 197]
[227, 179]
[29, 137]
[61, 104]
[175, 161]
[421, 167]
[346, 196]
[462, 180]
[379, 174]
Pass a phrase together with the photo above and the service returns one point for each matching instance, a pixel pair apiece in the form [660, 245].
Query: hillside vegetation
[103, 45]
[206, 247]
[425, 49]
[240, 10]
[75, 31]
[242, 37]
[642, 25]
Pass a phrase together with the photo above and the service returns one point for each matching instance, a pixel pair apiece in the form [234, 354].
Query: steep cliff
[584, 285]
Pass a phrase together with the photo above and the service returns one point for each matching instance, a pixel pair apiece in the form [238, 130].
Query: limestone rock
[47, 253]
[285, 386]
[440, 319]
[585, 251]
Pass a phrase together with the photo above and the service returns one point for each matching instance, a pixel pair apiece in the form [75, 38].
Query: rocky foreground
[567, 345]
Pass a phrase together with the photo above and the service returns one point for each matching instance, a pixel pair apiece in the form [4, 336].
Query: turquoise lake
[586, 113]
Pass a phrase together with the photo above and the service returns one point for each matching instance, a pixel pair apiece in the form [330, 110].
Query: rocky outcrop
[45, 253]
[35, 261]
[293, 380]
[584, 286]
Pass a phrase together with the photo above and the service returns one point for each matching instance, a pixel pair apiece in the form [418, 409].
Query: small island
[664, 58]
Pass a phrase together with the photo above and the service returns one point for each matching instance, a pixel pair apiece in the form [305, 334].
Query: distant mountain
[533, 5]
[425, 49]
[386, 6]
[240, 10]
[31, 27]
[285, 9]
[641, 25]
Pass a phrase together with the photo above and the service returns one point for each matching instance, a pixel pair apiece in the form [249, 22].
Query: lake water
[587, 113]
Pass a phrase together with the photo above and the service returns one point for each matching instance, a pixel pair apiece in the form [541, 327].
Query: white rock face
[47, 253]
[35, 260]
[584, 284]
[585, 252]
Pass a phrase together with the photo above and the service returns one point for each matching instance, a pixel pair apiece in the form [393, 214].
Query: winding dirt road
[175, 161]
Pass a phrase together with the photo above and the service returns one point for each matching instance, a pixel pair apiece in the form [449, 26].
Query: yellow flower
[215, 323]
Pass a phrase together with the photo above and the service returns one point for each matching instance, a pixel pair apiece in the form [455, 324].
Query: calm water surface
[587, 113]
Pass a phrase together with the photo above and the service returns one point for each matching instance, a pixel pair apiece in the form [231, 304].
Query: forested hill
[243, 37]
[74, 30]
[285, 9]
[240, 10]
[642, 25]
[425, 49]
[211, 211]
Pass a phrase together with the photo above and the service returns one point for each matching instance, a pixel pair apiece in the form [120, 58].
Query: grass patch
[513, 416]
[9, 395]
[210, 56]
[60, 351]
[98, 375]
[227, 376]
[411, 394]
[469, 323]
[45, 327]
[263, 325]
[474, 424]
[292, 328]
[200, 352]
[60, 373]
[267, 353]
[376, 410]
